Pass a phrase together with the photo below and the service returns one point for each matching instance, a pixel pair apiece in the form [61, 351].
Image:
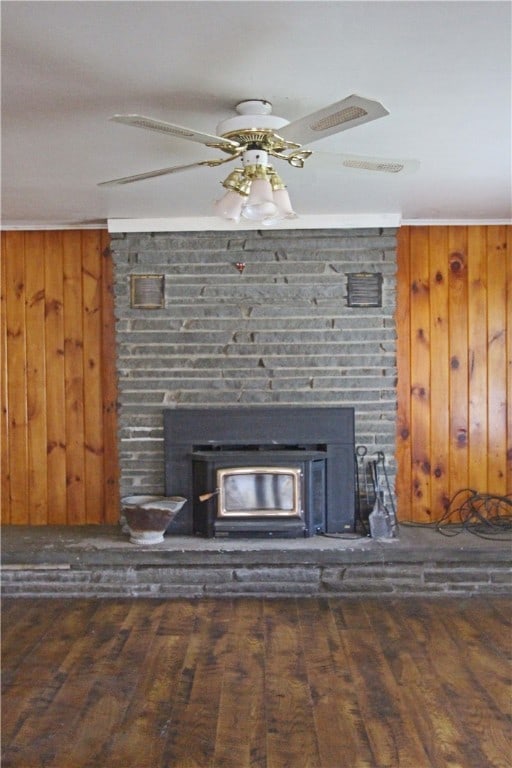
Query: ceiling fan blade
[151, 174]
[367, 163]
[340, 116]
[178, 131]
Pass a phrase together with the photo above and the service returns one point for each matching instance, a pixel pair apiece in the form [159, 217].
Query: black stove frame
[252, 430]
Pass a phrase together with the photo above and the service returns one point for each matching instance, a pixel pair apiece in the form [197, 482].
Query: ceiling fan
[255, 191]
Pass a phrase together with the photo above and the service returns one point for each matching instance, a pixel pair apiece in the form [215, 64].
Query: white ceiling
[442, 69]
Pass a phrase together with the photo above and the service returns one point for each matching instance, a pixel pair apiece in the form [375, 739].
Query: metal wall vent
[364, 289]
[147, 291]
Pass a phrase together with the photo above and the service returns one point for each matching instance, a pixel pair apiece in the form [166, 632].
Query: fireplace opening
[261, 471]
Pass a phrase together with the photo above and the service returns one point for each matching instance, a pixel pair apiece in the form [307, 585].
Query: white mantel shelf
[214, 224]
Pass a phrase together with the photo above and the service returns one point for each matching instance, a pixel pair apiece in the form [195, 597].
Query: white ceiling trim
[31, 226]
[455, 222]
[212, 224]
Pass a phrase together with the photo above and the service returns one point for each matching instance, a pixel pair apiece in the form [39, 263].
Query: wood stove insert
[257, 492]
[314, 445]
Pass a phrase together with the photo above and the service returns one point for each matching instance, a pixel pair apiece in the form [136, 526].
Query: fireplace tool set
[373, 490]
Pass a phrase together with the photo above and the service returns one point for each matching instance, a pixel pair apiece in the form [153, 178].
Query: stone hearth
[99, 561]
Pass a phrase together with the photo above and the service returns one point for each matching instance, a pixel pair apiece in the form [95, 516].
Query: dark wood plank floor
[410, 683]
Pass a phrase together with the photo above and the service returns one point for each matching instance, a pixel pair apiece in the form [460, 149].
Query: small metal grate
[147, 291]
[338, 118]
[364, 289]
[155, 125]
[371, 165]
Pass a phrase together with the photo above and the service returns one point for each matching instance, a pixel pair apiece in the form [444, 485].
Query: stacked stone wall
[278, 332]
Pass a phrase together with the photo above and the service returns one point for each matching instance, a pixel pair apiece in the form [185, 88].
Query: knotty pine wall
[59, 442]
[454, 326]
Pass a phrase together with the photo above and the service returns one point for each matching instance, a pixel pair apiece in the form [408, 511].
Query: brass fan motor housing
[262, 138]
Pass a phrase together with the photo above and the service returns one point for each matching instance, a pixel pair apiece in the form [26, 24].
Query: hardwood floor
[312, 683]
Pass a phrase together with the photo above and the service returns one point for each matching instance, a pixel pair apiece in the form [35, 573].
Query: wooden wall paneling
[420, 374]
[5, 506]
[454, 305]
[17, 381]
[36, 378]
[109, 385]
[477, 350]
[93, 402]
[58, 384]
[74, 378]
[497, 363]
[459, 428]
[403, 482]
[55, 387]
[469, 400]
[440, 368]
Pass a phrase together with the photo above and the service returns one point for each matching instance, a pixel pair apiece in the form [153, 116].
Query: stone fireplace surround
[279, 334]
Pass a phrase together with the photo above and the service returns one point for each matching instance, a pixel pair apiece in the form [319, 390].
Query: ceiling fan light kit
[255, 191]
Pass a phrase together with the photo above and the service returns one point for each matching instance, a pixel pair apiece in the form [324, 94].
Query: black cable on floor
[486, 515]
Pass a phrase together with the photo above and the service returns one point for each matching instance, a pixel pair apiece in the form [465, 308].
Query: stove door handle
[208, 496]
